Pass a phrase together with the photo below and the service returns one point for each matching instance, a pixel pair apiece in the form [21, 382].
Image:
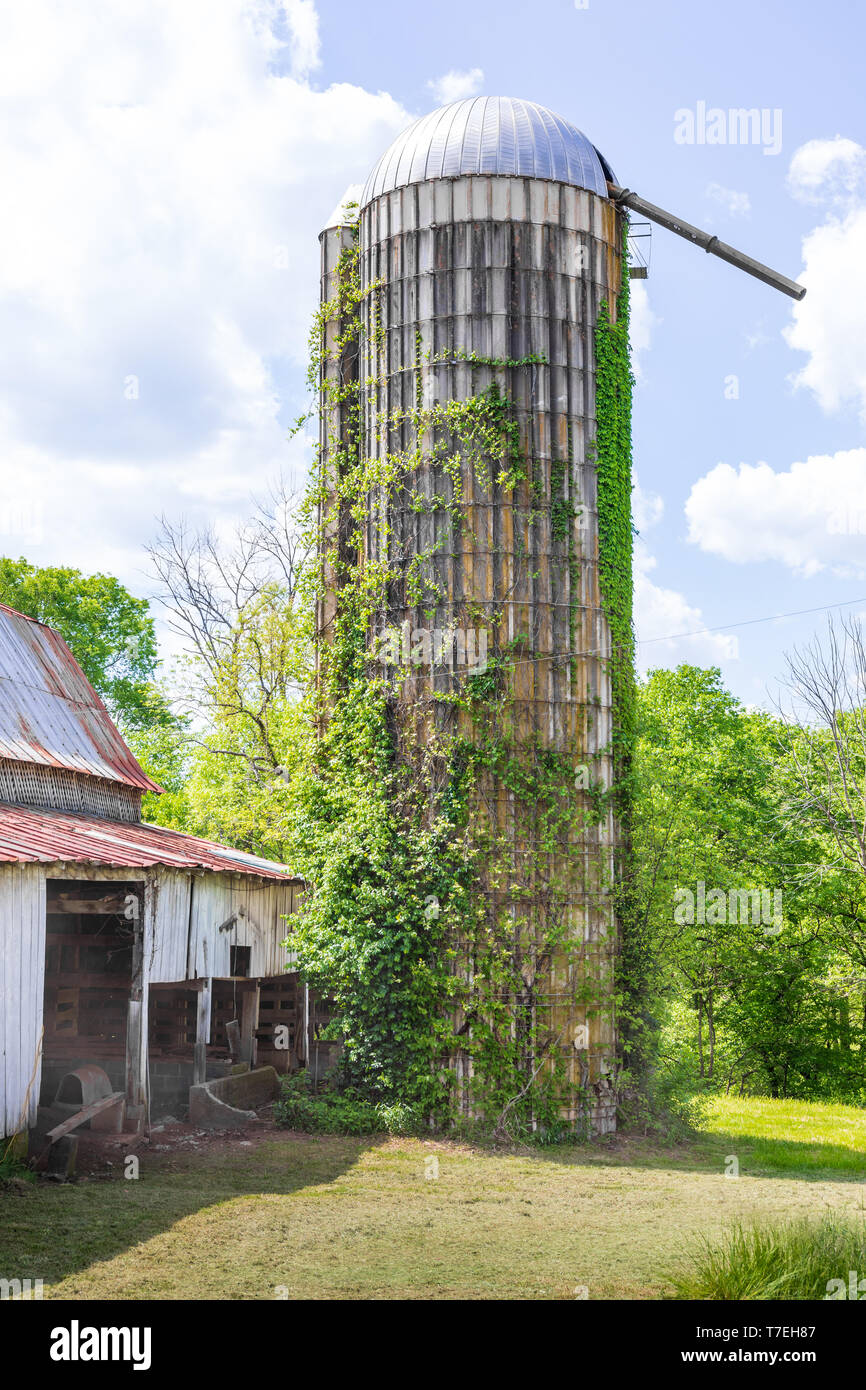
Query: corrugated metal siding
[49, 711]
[22, 974]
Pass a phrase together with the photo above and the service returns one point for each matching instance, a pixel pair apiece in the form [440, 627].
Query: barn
[154, 957]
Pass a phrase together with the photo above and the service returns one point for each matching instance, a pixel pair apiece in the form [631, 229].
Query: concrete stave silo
[488, 248]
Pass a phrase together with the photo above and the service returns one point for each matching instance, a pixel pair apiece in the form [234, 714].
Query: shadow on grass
[51, 1231]
[711, 1150]
[770, 1156]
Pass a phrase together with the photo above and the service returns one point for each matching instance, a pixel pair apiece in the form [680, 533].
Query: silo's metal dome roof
[490, 135]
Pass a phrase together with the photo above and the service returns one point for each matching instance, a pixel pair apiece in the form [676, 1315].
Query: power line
[748, 622]
[671, 637]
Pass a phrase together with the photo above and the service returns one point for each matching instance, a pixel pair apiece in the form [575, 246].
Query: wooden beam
[71, 938]
[133, 1052]
[249, 1024]
[202, 1034]
[64, 902]
[79, 979]
[233, 1036]
[180, 984]
[82, 1116]
[136, 1053]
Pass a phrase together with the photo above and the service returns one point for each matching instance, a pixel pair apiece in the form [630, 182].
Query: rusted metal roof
[48, 837]
[49, 712]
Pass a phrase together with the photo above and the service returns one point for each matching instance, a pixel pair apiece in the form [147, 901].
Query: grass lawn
[327, 1217]
[795, 1135]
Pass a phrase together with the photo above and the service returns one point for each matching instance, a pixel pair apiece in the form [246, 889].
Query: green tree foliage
[112, 636]
[111, 633]
[741, 996]
[161, 744]
[238, 733]
[369, 938]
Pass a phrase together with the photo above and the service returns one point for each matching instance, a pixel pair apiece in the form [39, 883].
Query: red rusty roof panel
[49, 712]
[48, 837]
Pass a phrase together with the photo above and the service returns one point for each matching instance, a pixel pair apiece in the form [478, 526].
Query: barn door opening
[91, 940]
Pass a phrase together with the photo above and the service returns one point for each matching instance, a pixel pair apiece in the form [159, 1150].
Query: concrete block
[226, 1103]
[110, 1121]
[61, 1158]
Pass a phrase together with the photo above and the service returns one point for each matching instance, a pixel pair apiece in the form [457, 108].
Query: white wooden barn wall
[255, 909]
[22, 967]
[181, 940]
[166, 926]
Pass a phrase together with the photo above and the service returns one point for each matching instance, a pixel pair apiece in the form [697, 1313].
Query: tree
[233, 603]
[701, 818]
[822, 739]
[110, 632]
[738, 992]
[824, 735]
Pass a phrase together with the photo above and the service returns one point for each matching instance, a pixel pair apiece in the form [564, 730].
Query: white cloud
[159, 261]
[456, 84]
[664, 619]
[828, 324]
[757, 337]
[823, 170]
[641, 322]
[810, 518]
[661, 615]
[304, 27]
[735, 204]
[647, 508]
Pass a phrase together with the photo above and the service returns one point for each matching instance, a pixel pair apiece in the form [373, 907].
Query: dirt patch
[167, 1146]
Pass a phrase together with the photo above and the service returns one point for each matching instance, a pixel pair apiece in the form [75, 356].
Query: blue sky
[173, 162]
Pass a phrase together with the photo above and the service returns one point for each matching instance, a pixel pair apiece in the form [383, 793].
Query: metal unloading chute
[626, 198]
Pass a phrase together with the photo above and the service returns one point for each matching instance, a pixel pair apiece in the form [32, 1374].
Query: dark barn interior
[89, 941]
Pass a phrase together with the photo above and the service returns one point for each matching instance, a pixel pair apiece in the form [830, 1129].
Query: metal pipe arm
[626, 198]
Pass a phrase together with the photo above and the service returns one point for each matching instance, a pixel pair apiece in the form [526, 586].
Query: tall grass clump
[794, 1259]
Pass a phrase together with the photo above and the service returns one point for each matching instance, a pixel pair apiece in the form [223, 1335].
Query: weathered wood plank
[249, 1023]
[77, 979]
[64, 903]
[202, 1034]
[133, 1052]
[82, 1116]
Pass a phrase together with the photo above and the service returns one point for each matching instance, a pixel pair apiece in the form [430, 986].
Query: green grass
[358, 1217]
[788, 1135]
[791, 1260]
